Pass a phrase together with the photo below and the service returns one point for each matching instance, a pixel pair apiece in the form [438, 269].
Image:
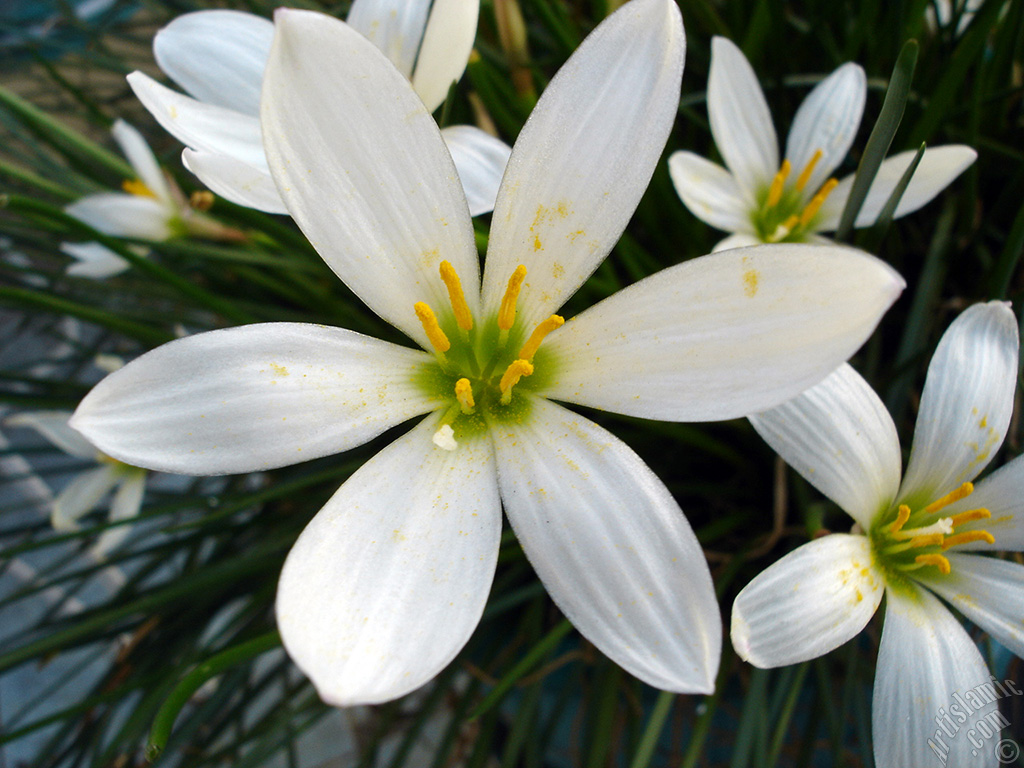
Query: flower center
[918, 539]
[783, 216]
[481, 364]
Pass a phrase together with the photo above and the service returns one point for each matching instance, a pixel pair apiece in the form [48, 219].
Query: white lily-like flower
[219, 57]
[760, 200]
[388, 581]
[151, 207]
[914, 540]
[89, 488]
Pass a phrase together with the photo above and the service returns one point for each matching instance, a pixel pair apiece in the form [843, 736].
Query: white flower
[150, 208]
[389, 580]
[89, 488]
[839, 436]
[761, 201]
[219, 56]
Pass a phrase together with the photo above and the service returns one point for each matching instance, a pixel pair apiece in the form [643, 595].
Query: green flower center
[782, 217]
[905, 540]
[482, 368]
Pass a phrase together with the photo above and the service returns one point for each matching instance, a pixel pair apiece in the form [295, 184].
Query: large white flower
[388, 581]
[88, 489]
[149, 208]
[219, 56]
[839, 436]
[760, 200]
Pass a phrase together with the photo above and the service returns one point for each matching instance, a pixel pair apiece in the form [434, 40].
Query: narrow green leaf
[652, 732]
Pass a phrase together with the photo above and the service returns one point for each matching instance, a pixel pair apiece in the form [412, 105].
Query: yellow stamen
[962, 492]
[902, 515]
[805, 174]
[543, 329]
[201, 200]
[507, 312]
[817, 201]
[966, 537]
[431, 327]
[929, 540]
[456, 296]
[937, 560]
[464, 394]
[137, 187]
[510, 378]
[970, 515]
[778, 184]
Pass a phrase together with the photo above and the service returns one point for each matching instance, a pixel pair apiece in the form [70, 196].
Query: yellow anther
[201, 200]
[543, 329]
[507, 312]
[928, 540]
[966, 537]
[464, 394]
[431, 327]
[138, 188]
[812, 208]
[970, 515]
[902, 515]
[805, 174]
[456, 296]
[937, 560]
[511, 377]
[962, 492]
[778, 184]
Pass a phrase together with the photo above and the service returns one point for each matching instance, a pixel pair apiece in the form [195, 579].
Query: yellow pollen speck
[456, 296]
[750, 280]
[860, 595]
[543, 329]
[778, 184]
[431, 328]
[507, 311]
[537, 245]
[464, 394]
[984, 422]
[138, 188]
[280, 370]
[805, 174]
[937, 560]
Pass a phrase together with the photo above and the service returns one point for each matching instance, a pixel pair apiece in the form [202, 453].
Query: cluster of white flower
[330, 122]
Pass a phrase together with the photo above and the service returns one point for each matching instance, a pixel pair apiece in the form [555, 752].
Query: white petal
[1002, 494]
[827, 121]
[121, 215]
[142, 160]
[236, 181]
[938, 168]
[585, 156]
[445, 50]
[987, 591]
[199, 125]
[808, 603]
[53, 425]
[395, 27]
[363, 170]
[966, 403]
[736, 241]
[82, 495]
[721, 336]
[840, 437]
[217, 56]
[124, 506]
[480, 159]
[740, 120]
[253, 397]
[93, 260]
[711, 193]
[389, 580]
[925, 661]
[611, 545]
